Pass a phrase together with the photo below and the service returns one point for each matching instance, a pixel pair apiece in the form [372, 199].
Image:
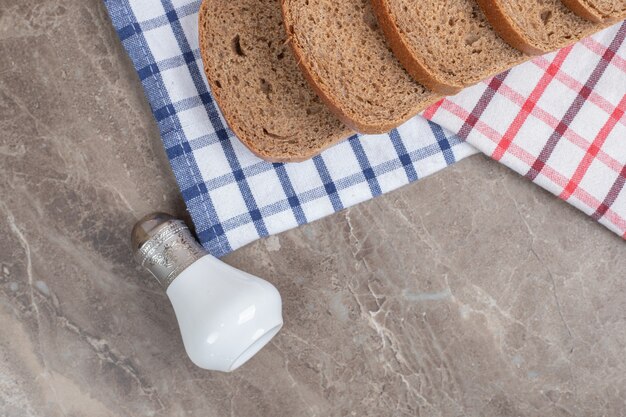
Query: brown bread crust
[316, 128]
[586, 10]
[361, 125]
[402, 51]
[521, 38]
[507, 29]
[439, 69]
[328, 98]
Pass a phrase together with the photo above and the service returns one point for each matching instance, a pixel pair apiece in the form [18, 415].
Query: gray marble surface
[470, 293]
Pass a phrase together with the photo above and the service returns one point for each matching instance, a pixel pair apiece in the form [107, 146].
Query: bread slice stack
[293, 77]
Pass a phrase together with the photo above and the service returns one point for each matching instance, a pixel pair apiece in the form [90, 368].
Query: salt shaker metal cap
[164, 246]
[225, 315]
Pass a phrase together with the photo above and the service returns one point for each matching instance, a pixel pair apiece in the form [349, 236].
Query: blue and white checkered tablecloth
[234, 197]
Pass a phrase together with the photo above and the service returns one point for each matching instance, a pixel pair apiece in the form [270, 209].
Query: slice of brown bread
[536, 26]
[257, 83]
[600, 11]
[445, 45]
[344, 55]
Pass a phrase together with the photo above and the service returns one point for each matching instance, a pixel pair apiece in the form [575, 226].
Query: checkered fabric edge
[557, 120]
